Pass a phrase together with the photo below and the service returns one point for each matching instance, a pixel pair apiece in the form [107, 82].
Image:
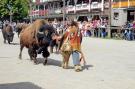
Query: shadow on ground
[50, 61]
[4, 57]
[53, 62]
[87, 67]
[21, 85]
[14, 43]
[84, 67]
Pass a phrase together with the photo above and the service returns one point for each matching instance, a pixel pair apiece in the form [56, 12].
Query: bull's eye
[46, 32]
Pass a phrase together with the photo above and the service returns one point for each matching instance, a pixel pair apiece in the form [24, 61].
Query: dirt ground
[110, 63]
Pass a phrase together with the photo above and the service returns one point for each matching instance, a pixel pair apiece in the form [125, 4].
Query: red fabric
[75, 38]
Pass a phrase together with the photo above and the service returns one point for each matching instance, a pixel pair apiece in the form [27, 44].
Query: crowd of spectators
[128, 31]
[91, 28]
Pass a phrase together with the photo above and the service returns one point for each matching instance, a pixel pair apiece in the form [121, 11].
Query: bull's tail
[21, 48]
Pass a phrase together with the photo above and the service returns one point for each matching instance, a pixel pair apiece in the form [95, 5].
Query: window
[41, 7]
[116, 15]
[71, 2]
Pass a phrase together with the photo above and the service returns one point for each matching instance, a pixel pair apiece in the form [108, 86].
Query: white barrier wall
[118, 17]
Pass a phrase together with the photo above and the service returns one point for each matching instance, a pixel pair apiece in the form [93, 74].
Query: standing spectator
[103, 29]
[96, 24]
[133, 30]
[88, 28]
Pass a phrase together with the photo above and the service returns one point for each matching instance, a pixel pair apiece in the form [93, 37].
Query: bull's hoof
[45, 62]
[4, 41]
[51, 49]
[64, 66]
[9, 42]
[20, 57]
[31, 58]
[35, 62]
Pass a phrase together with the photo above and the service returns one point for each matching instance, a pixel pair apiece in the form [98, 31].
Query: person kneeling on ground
[75, 38]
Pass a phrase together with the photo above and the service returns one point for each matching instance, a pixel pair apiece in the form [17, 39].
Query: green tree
[19, 9]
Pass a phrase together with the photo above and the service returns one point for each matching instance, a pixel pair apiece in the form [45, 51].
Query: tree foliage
[17, 8]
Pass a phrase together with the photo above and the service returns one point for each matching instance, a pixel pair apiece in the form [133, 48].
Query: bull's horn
[40, 32]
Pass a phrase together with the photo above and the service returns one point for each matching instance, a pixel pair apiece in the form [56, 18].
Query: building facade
[122, 11]
[70, 9]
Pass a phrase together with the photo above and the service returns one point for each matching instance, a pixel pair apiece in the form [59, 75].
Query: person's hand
[59, 51]
[55, 37]
[59, 37]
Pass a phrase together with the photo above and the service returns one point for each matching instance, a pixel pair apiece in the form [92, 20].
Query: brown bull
[28, 39]
[8, 34]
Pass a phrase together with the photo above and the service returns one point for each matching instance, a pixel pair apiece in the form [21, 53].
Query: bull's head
[10, 37]
[48, 32]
